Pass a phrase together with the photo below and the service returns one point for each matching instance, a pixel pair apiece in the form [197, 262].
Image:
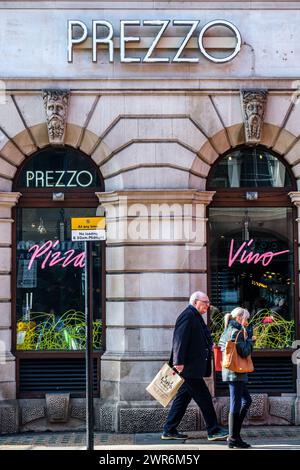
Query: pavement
[260, 438]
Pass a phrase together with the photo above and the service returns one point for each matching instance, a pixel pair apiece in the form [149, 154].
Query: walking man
[191, 356]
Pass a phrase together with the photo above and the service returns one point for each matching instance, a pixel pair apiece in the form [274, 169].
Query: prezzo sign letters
[58, 179]
[109, 41]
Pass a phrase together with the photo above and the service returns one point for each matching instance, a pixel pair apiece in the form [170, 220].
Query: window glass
[60, 169]
[249, 167]
[50, 281]
[251, 252]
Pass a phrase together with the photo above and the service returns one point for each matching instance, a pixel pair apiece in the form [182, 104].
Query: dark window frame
[42, 198]
[267, 197]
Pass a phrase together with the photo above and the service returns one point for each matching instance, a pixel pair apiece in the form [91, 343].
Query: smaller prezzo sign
[58, 179]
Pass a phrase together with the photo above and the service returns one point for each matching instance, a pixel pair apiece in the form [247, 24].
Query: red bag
[217, 358]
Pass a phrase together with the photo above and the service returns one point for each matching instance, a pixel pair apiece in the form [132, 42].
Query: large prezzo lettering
[55, 257]
[78, 34]
[242, 255]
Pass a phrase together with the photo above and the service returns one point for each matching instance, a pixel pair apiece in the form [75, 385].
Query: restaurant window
[252, 266]
[252, 245]
[51, 281]
[57, 184]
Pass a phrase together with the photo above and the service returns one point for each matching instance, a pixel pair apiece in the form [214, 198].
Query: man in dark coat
[191, 357]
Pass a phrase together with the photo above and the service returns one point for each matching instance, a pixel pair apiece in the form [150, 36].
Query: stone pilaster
[155, 258]
[7, 360]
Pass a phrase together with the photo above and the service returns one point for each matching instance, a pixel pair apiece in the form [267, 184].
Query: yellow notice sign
[88, 223]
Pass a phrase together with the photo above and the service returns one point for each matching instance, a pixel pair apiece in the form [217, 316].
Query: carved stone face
[254, 112]
[254, 108]
[55, 110]
[56, 114]
[56, 103]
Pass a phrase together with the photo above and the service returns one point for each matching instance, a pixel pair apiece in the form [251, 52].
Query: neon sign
[251, 256]
[58, 257]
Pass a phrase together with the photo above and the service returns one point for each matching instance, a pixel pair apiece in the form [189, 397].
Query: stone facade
[154, 131]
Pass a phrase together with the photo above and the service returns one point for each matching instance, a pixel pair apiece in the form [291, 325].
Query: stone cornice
[9, 199]
[150, 5]
[185, 196]
[159, 84]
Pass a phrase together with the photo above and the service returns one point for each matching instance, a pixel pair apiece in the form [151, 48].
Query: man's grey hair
[197, 296]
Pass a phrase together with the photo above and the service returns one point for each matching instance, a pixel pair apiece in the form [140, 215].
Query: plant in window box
[272, 331]
[25, 334]
[66, 332]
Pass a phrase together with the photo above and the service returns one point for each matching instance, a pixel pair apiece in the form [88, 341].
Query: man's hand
[179, 368]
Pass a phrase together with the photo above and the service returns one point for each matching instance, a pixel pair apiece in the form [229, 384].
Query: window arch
[250, 167]
[58, 169]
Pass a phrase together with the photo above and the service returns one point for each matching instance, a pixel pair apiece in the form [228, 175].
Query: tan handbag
[165, 384]
[232, 360]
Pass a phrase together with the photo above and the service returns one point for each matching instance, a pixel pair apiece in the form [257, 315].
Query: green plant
[272, 330]
[277, 333]
[49, 332]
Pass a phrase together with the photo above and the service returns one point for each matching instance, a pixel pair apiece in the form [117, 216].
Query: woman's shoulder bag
[233, 361]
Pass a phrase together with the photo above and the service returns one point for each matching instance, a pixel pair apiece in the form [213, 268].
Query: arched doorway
[48, 283]
[252, 258]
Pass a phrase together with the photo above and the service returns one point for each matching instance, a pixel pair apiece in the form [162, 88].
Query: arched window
[57, 184]
[252, 256]
[250, 167]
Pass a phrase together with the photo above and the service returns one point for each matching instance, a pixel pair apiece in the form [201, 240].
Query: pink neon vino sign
[58, 257]
[251, 256]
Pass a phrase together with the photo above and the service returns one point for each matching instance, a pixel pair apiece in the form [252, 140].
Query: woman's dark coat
[244, 348]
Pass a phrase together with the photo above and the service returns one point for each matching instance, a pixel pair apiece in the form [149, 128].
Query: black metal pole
[88, 355]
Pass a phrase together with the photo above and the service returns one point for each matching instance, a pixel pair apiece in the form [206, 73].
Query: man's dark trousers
[196, 389]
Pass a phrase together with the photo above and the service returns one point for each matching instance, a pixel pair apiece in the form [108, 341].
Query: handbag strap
[244, 331]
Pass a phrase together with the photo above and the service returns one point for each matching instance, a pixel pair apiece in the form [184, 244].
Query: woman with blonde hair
[240, 399]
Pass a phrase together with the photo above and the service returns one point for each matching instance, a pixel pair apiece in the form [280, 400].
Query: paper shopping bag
[165, 384]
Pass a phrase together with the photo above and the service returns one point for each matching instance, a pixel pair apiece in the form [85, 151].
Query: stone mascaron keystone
[56, 108]
[253, 109]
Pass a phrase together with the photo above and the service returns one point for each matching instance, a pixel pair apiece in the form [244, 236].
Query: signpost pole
[88, 229]
[88, 355]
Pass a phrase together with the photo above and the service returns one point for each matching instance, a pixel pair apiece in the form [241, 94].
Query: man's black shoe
[173, 435]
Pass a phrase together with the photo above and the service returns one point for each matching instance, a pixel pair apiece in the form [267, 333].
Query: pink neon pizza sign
[52, 258]
[242, 255]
